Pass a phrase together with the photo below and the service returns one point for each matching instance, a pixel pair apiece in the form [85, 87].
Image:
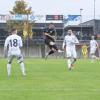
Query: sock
[8, 69]
[69, 63]
[73, 61]
[95, 57]
[92, 58]
[22, 68]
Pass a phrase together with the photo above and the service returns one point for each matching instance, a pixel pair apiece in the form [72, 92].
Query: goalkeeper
[84, 50]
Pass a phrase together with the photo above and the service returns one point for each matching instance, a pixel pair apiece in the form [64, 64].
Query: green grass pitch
[51, 80]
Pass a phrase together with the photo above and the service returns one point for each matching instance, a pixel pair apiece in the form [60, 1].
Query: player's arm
[5, 52]
[20, 42]
[53, 37]
[99, 51]
[97, 45]
[98, 48]
[75, 40]
[45, 32]
[64, 44]
[55, 34]
[5, 47]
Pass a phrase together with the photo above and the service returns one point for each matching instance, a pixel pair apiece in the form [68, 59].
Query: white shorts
[71, 53]
[18, 56]
[93, 50]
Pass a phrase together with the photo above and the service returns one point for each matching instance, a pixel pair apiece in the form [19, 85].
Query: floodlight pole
[27, 34]
[94, 18]
[81, 20]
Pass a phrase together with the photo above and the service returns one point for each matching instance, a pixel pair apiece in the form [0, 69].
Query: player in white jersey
[69, 43]
[12, 46]
[93, 47]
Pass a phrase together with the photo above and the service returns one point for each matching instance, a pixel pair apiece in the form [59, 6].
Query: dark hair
[14, 29]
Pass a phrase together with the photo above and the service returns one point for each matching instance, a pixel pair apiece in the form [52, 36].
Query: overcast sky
[44, 7]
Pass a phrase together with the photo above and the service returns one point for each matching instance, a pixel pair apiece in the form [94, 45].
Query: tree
[20, 7]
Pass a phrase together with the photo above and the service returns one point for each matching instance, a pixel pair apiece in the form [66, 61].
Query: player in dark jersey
[50, 38]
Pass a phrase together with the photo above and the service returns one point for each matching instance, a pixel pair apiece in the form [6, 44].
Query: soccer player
[49, 34]
[93, 47]
[12, 46]
[69, 43]
[84, 50]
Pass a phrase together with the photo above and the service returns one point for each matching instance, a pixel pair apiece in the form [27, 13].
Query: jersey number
[13, 43]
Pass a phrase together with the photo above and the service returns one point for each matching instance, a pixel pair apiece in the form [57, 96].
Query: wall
[37, 50]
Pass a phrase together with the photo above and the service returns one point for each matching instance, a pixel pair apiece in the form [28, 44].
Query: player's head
[51, 25]
[69, 32]
[14, 31]
[92, 37]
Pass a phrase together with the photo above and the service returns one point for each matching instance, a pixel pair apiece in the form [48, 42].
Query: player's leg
[47, 42]
[22, 66]
[68, 53]
[85, 54]
[69, 63]
[74, 58]
[10, 58]
[93, 57]
[50, 52]
[92, 53]
[52, 47]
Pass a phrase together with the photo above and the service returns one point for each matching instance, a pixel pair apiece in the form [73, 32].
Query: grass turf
[51, 80]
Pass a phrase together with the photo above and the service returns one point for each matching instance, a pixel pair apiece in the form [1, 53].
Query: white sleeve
[97, 44]
[6, 42]
[90, 43]
[64, 43]
[20, 42]
[75, 40]
[5, 46]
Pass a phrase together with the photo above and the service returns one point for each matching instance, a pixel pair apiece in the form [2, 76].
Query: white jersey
[13, 42]
[69, 42]
[93, 44]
